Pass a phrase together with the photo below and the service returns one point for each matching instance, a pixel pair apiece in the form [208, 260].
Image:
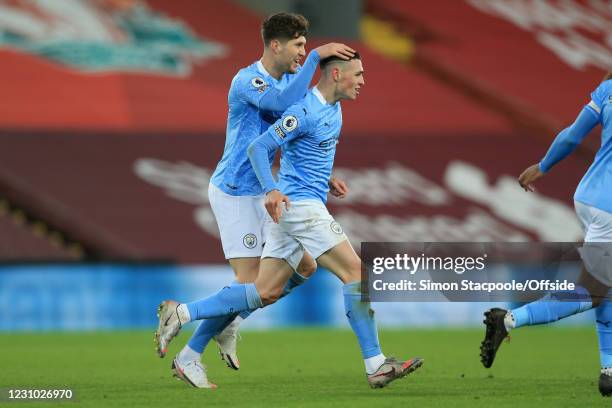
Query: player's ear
[336, 74]
[276, 46]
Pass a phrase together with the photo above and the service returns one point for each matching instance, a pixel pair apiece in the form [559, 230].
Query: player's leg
[587, 294]
[600, 242]
[241, 237]
[225, 330]
[603, 315]
[281, 255]
[243, 225]
[274, 276]
[232, 299]
[302, 263]
[344, 263]
[311, 224]
[552, 307]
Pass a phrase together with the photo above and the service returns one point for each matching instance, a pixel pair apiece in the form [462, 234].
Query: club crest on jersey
[249, 241]
[290, 123]
[335, 227]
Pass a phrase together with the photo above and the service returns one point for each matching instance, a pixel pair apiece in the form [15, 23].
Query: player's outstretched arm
[564, 144]
[275, 100]
[569, 138]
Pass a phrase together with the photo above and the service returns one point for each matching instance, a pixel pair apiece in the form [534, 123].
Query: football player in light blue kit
[258, 94]
[307, 134]
[593, 203]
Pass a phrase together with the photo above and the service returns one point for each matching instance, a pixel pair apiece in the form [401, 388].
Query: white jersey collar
[319, 96]
[262, 69]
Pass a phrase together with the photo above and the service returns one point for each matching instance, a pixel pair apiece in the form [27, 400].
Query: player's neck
[268, 63]
[328, 91]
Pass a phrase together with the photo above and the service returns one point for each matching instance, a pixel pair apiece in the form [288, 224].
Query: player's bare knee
[351, 274]
[307, 269]
[269, 296]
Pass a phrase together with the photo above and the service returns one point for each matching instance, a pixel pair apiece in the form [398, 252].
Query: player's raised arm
[279, 100]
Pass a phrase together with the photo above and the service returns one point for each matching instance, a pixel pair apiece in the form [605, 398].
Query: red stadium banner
[144, 197]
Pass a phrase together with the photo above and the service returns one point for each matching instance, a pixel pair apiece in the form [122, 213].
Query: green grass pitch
[539, 367]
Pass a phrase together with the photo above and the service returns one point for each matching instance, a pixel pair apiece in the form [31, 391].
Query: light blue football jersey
[307, 134]
[234, 174]
[595, 188]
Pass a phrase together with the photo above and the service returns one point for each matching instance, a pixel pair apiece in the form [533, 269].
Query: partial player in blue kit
[307, 134]
[593, 203]
[258, 94]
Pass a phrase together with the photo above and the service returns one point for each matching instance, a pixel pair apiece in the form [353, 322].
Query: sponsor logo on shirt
[329, 143]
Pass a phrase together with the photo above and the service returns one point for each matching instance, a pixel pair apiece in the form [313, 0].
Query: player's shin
[603, 315]
[206, 330]
[361, 319]
[230, 300]
[293, 282]
[550, 308]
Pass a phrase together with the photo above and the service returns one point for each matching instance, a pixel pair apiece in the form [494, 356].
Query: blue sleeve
[290, 126]
[259, 152]
[278, 101]
[569, 138]
[599, 96]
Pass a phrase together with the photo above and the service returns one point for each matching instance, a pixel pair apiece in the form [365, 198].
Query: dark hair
[326, 61]
[283, 26]
[608, 76]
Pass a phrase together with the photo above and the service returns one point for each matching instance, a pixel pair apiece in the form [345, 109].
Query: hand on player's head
[335, 50]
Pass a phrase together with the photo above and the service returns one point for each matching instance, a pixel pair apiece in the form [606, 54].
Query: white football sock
[373, 363]
[509, 321]
[183, 314]
[606, 371]
[187, 354]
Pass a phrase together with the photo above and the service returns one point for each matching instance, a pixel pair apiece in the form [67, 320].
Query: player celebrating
[593, 202]
[307, 134]
[257, 93]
